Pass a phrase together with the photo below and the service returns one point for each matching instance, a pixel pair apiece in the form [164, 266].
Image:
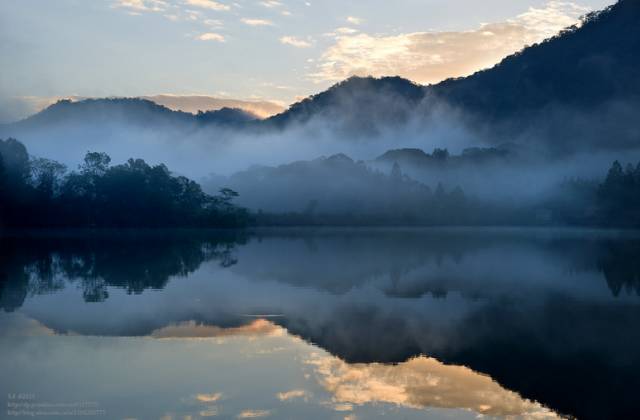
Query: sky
[273, 50]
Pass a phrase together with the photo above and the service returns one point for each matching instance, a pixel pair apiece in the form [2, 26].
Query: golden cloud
[211, 36]
[295, 42]
[250, 414]
[429, 57]
[208, 4]
[420, 383]
[209, 398]
[289, 395]
[256, 22]
[259, 327]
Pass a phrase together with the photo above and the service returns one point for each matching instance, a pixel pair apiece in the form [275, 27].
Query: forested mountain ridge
[135, 111]
[581, 67]
[575, 91]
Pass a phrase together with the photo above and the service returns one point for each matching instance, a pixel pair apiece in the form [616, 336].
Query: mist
[531, 170]
[366, 151]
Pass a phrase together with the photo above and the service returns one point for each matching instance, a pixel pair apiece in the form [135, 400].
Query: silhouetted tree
[619, 196]
[39, 192]
[440, 154]
[396, 172]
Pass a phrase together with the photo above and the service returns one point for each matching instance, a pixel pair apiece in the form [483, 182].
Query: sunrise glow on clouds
[251, 49]
[424, 57]
[429, 57]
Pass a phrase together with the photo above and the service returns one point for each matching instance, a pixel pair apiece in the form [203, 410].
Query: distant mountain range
[134, 111]
[578, 89]
[356, 185]
[196, 103]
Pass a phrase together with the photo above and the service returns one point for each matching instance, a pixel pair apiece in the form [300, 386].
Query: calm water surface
[325, 323]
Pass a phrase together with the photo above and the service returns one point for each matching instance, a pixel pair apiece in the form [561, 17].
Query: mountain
[366, 102]
[578, 91]
[582, 67]
[97, 111]
[135, 111]
[469, 156]
[196, 103]
[334, 184]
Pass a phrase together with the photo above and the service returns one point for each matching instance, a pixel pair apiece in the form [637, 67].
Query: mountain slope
[361, 103]
[581, 67]
[135, 111]
[579, 89]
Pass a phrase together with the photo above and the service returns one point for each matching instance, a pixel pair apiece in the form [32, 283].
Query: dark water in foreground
[333, 323]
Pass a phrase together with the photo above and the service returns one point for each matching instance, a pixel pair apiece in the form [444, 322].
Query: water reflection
[287, 376]
[551, 316]
[40, 264]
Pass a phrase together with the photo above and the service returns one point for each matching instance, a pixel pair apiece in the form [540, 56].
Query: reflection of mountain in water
[530, 308]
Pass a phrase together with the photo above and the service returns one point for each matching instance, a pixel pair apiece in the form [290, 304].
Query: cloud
[195, 103]
[209, 412]
[143, 5]
[420, 383]
[215, 23]
[190, 329]
[343, 407]
[208, 398]
[289, 395]
[354, 20]
[208, 4]
[251, 414]
[256, 22]
[342, 31]
[271, 3]
[429, 57]
[211, 36]
[295, 42]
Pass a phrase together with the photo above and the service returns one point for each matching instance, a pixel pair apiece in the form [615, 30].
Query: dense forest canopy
[37, 192]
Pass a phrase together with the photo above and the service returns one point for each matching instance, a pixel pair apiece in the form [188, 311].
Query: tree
[46, 176]
[227, 195]
[396, 172]
[619, 196]
[615, 174]
[95, 163]
[440, 154]
[16, 161]
[2, 180]
[440, 193]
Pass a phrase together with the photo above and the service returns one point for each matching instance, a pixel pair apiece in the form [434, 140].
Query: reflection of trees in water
[617, 259]
[620, 263]
[133, 262]
[46, 264]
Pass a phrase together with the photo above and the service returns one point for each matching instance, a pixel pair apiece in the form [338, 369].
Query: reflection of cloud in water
[209, 397]
[340, 387]
[16, 324]
[209, 412]
[190, 329]
[420, 383]
[294, 393]
[250, 414]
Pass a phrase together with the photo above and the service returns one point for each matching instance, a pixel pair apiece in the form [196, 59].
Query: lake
[320, 323]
